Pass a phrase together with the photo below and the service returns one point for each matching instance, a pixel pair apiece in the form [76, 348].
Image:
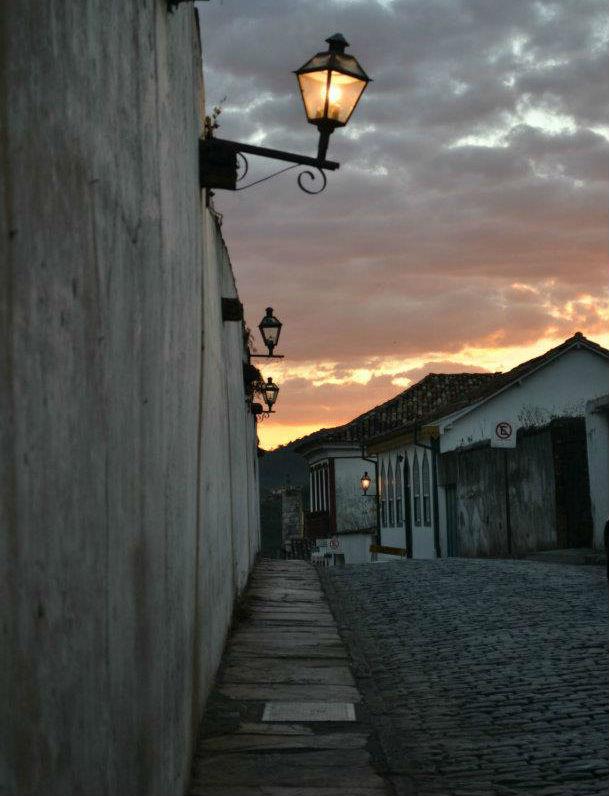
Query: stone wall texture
[292, 521]
[128, 508]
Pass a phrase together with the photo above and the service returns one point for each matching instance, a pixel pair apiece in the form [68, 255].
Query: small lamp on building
[365, 482]
[270, 392]
[331, 84]
[270, 329]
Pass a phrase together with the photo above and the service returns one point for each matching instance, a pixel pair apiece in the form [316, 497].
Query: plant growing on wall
[211, 121]
[252, 380]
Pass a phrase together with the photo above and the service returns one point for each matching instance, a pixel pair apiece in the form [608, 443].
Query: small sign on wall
[504, 434]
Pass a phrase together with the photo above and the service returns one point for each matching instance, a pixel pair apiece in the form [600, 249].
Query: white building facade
[341, 519]
[418, 512]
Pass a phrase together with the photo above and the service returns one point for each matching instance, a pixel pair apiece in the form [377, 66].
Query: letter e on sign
[504, 435]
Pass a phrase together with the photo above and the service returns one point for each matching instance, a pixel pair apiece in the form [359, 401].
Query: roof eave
[475, 405]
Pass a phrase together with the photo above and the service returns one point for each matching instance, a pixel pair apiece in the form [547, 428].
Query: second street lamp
[270, 329]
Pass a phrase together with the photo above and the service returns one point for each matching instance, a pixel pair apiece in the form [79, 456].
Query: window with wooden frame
[426, 491]
[390, 495]
[320, 487]
[383, 496]
[416, 489]
[398, 494]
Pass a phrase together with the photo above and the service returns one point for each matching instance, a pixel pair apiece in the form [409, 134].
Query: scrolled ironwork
[246, 166]
[313, 177]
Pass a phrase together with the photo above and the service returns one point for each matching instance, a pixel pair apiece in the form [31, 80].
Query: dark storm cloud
[477, 159]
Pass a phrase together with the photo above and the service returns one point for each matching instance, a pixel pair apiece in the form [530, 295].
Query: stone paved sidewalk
[284, 660]
[482, 677]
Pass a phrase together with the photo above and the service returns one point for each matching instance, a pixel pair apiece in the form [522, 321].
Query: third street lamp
[270, 392]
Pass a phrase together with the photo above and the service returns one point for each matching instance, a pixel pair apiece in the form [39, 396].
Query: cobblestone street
[481, 677]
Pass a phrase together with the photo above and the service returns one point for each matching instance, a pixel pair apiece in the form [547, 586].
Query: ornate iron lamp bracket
[260, 412]
[218, 165]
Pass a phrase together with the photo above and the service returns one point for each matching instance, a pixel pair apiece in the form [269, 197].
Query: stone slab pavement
[481, 677]
[268, 729]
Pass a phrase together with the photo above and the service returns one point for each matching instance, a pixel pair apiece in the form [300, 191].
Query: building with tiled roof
[406, 438]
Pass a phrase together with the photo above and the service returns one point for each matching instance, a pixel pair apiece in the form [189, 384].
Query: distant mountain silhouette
[278, 468]
[282, 467]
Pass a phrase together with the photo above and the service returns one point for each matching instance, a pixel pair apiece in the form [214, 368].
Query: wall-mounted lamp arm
[218, 163]
[276, 154]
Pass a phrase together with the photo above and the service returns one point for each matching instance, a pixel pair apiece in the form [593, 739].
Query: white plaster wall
[245, 523]
[116, 549]
[353, 510]
[354, 546]
[560, 388]
[597, 433]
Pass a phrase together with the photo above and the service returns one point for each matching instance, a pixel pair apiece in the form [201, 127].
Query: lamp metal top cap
[337, 42]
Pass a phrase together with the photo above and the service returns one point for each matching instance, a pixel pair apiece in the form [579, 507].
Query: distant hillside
[281, 467]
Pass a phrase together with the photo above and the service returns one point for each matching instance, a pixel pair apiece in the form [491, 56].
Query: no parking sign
[504, 434]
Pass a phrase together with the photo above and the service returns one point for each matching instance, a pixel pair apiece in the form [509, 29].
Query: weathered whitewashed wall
[559, 389]
[597, 434]
[542, 483]
[353, 511]
[229, 505]
[122, 541]
[355, 547]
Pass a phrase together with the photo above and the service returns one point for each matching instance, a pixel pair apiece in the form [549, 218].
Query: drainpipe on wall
[435, 450]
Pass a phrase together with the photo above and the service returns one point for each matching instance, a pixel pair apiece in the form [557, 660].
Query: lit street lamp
[331, 84]
[365, 482]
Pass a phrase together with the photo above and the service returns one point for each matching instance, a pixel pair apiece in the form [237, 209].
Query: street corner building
[129, 503]
[470, 464]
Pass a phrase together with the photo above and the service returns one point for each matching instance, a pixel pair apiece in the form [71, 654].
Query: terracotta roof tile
[435, 396]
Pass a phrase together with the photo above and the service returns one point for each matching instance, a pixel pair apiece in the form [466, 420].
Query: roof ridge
[416, 405]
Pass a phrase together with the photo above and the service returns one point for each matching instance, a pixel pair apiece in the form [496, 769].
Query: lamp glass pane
[313, 88]
[343, 95]
[270, 333]
[270, 394]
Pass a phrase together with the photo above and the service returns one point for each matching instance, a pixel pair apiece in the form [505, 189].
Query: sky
[467, 226]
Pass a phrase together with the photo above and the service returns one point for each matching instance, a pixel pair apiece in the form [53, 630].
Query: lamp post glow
[331, 84]
[365, 482]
